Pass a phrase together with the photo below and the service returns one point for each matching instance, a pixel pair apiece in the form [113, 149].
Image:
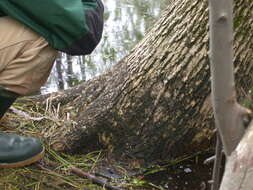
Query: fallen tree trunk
[157, 98]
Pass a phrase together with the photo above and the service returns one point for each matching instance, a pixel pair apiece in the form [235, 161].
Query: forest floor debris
[55, 170]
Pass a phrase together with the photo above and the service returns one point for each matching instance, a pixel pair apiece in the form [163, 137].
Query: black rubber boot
[5, 103]
[16, 150]
[6, 100]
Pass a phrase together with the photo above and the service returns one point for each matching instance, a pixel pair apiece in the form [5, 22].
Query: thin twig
[25, 115]
[217, 164]
[209, 160]
[93, 178]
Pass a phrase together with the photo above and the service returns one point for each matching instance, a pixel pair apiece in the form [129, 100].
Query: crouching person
[29, 43]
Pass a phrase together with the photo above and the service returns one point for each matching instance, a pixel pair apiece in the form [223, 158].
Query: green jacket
[71, 26]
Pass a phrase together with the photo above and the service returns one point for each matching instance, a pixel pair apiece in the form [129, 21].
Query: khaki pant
[26, 58]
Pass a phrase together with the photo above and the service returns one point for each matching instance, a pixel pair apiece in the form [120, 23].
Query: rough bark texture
[156, 99]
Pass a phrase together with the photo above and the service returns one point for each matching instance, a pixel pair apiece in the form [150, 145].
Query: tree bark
[157, 98]
[227, 112]
[239, 168]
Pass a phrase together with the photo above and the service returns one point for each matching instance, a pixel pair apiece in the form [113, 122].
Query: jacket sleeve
[93, 19]
[2, 13]
[61, 22]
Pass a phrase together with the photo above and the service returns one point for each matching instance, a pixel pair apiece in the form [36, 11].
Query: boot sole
[29, 161]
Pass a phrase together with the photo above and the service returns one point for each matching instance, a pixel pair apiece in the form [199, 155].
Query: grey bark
[228, 113]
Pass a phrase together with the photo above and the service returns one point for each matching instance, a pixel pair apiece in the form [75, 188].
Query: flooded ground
[190, 174]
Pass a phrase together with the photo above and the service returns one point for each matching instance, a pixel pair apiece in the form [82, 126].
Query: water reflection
[126, 21]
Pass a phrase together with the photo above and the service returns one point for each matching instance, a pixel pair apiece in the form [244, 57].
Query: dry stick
[94, 179]
[217, 163]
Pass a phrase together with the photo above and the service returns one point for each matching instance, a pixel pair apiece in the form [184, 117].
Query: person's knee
[28, 73]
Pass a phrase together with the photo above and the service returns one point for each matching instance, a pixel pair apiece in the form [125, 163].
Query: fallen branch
[93, 178]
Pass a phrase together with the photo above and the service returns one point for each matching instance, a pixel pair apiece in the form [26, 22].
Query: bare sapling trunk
[228, 113]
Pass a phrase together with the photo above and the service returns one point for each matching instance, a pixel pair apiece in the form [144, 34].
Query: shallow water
[191, 174]
[126, 22]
